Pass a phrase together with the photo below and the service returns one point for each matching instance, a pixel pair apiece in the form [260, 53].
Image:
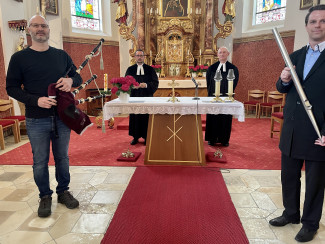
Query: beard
[40, 39]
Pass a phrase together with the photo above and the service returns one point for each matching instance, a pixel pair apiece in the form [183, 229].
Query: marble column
[141, 24]
[208, 37]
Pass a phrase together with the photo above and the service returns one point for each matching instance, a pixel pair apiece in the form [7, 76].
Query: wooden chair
[274, 100]
[255, 97]
[278, 117]
[8, 105]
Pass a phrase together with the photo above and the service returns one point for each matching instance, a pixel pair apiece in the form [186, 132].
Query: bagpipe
[67, 108]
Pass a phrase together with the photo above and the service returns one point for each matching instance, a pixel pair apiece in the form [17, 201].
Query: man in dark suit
[218, 127]
[147, 78]
[299, 141]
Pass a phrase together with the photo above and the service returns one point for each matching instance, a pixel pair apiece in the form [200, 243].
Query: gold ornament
[218, 153]
[128, 154]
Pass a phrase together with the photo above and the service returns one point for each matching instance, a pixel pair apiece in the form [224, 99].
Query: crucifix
[173, 98]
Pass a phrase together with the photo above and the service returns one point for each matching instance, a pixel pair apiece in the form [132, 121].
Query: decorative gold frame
[162, 10]
[305, 4]
[51, 7]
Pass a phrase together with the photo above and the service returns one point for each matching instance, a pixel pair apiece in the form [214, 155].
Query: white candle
[200, 52]
[196, 11]
[105, 82]
[151, 11]
[150, 53]
[217, 89]
[188, 51]
[230, 87]
[157, 11]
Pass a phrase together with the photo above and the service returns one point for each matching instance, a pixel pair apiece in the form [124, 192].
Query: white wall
[295, 20]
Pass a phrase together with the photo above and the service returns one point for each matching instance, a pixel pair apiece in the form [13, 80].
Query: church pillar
[141, 24]
[208, 26]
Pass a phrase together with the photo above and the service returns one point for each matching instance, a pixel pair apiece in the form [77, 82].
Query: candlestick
[217, 88]
[105, 82]
[217, 78]
[200, 52]
[150, 53]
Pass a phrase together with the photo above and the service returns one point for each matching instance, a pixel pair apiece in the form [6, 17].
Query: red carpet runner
[250, 148]
[176, 205]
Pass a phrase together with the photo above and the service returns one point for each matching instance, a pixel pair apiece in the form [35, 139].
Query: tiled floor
[256, 195]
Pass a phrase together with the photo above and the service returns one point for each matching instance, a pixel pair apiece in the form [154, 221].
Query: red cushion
[5, 123]
[278, 115]
[133, 159]
[269, 104]
[19, 117]
[251, 102]
[211, 158]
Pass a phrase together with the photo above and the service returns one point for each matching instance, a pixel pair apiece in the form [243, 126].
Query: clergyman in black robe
[218, 127]
[147, 78]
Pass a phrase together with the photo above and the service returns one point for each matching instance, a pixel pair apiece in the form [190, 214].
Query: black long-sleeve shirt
[36, 71]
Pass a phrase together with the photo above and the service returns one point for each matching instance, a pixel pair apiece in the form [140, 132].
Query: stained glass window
[85, 14]
[270, 10]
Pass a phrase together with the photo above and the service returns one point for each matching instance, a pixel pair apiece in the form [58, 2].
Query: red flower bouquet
[123, 84]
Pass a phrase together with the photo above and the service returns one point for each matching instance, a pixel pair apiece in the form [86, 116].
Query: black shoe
[68, 200]
[211, 143]
[225, 144]
[44, 209]
[305, 235]
[134, 141]
[282, 221]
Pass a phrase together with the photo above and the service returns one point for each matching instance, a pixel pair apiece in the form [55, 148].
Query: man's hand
[64, 84]
[143, 85]
[321, 141]
[46, 102]
[285, 75]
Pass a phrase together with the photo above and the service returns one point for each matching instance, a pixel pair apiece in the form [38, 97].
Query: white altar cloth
[159, 105]
[186, 83]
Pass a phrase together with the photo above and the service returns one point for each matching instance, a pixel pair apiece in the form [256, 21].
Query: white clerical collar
[319, 46]
[140, 70]
[223, 66]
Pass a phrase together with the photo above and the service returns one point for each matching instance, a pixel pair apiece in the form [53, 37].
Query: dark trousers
[218, 128]
[291, 186]
[138, 125]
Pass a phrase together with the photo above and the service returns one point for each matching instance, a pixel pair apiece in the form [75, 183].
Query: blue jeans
[40, 133]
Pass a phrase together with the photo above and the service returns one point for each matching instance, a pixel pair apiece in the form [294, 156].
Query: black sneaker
[44, 209]
[68, 200]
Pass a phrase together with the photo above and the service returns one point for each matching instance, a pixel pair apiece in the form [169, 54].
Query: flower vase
[204, 74]
[158, 74]
[194, 74]
[124, 97]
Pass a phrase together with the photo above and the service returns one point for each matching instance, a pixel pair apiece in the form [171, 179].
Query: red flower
[123, 84]
[114, 89]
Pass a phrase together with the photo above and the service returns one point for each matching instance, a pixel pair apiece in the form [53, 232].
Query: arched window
[269, 10]
[85, 14]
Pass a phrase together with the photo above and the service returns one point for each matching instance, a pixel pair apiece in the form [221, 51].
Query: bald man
[218, 127]
[36, 67]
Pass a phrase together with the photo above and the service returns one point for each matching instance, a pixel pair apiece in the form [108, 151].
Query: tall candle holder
[200, 74]
[217, 78]
[162, 73]
[230, 78]
[188, 74]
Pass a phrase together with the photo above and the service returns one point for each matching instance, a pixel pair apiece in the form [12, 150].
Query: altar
[175, 129]
[184, 88]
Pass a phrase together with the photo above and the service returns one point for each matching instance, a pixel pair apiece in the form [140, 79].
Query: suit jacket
[298, 134]
[224, 82]
[150, 78]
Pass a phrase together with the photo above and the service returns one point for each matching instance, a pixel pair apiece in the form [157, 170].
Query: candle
[157, 11]
[37, 10]
[105, 82]
[151, 11]
[196, 11]
[191, 11]
[230, 87]
[217, 88]
[188, 51]
[150, 53]
[200, 52]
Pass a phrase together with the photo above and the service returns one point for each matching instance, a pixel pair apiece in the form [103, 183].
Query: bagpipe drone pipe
[67, 108]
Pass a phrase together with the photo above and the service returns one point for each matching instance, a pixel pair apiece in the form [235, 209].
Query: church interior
[180, 39]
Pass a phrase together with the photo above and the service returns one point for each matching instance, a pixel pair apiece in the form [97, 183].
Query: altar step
[123, 124]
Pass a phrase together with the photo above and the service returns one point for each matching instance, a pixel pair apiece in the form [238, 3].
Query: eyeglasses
[43, 26]
[139, 55]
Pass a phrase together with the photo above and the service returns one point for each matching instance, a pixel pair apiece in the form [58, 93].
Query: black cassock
[218, 127]
[138, 124]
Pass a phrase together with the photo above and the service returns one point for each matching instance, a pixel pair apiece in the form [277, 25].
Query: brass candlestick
[217, 78]
[230, 78]
[162, 74]
[173, 98]
[188, 74]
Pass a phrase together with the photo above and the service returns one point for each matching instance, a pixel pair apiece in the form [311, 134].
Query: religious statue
[21, 42]
[174, 8]
[228, 9]
[121, 12]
